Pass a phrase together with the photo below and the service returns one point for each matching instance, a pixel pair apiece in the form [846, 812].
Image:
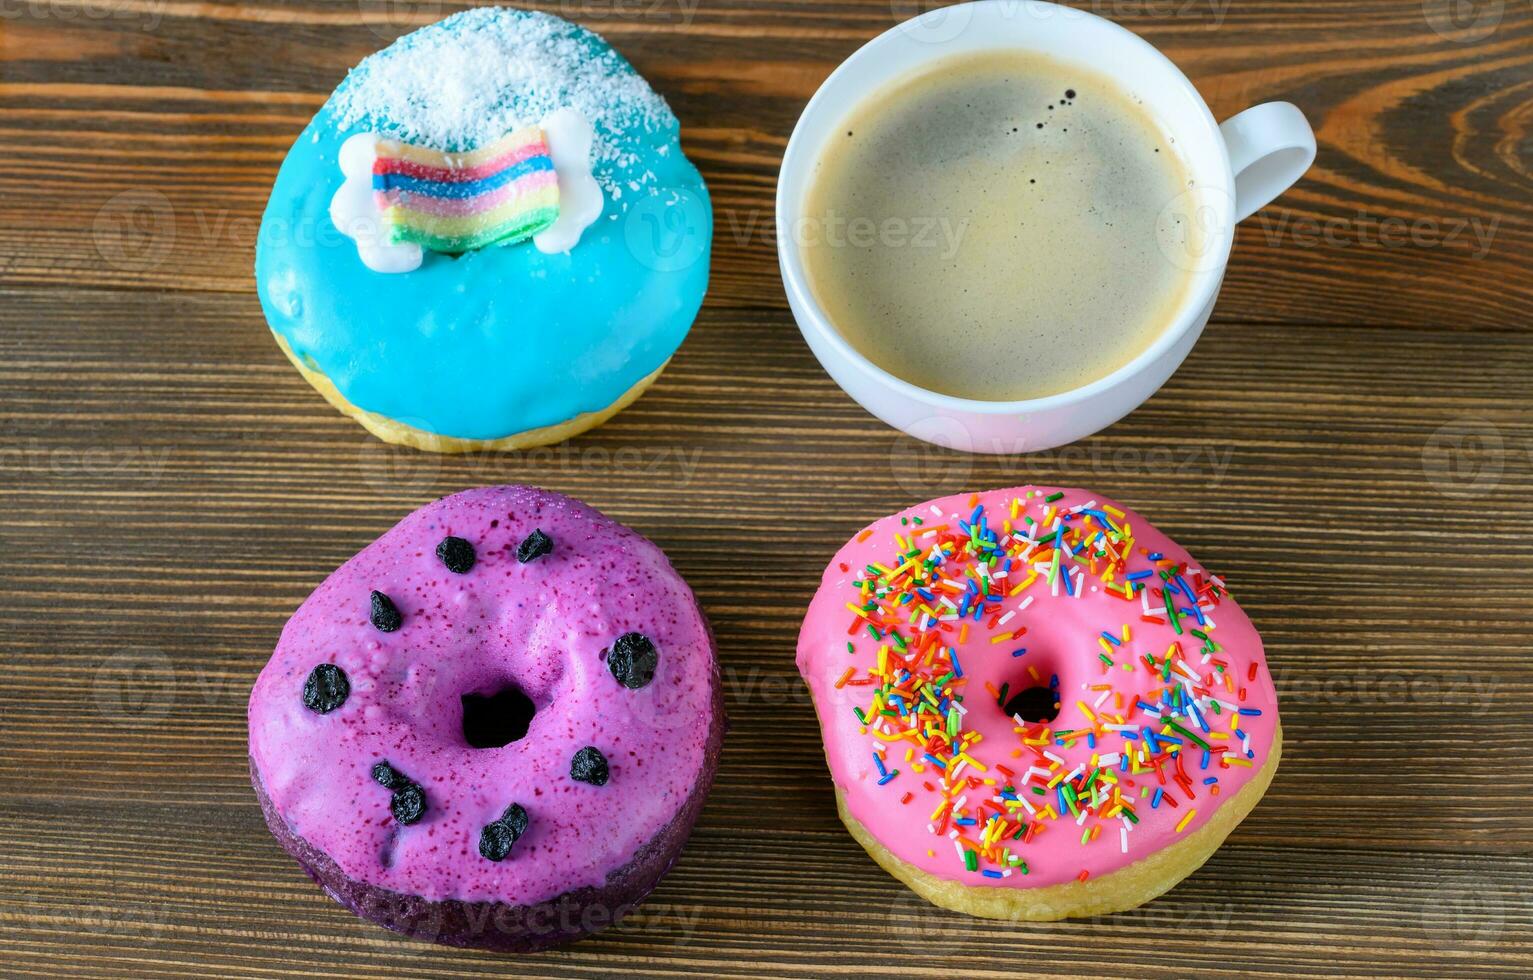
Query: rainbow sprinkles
[1155, 724]
[500, 194]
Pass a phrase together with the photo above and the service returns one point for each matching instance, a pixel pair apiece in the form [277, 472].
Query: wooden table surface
[1350, 445]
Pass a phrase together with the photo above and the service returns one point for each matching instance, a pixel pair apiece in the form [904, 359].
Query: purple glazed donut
[494, 726]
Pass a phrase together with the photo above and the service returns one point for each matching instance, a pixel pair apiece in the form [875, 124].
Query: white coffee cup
[1236, 167]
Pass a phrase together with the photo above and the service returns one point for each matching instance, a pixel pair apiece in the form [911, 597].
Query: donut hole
[493, 720]
[1033, 704]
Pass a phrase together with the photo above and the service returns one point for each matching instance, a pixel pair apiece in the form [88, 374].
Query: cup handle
[1270, 146]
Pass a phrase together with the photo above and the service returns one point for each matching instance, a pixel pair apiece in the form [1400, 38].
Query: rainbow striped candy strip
[455, 202]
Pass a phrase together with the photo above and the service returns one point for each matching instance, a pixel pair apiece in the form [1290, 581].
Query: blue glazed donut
[506, 346]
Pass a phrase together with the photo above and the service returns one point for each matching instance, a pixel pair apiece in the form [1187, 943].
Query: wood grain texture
[1350, 445]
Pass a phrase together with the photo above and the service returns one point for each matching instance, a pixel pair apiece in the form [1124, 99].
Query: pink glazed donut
[1034, 704]
[495, 726]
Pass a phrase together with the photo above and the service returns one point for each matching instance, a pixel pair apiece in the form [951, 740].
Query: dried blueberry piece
[589, 766]
[632, 660]
[408, 803]
[496, 838]
[384, 614]
[534, 546]
[515, 817]
[389, 777]
[326, 689]
[456, 553]
[495, 841]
